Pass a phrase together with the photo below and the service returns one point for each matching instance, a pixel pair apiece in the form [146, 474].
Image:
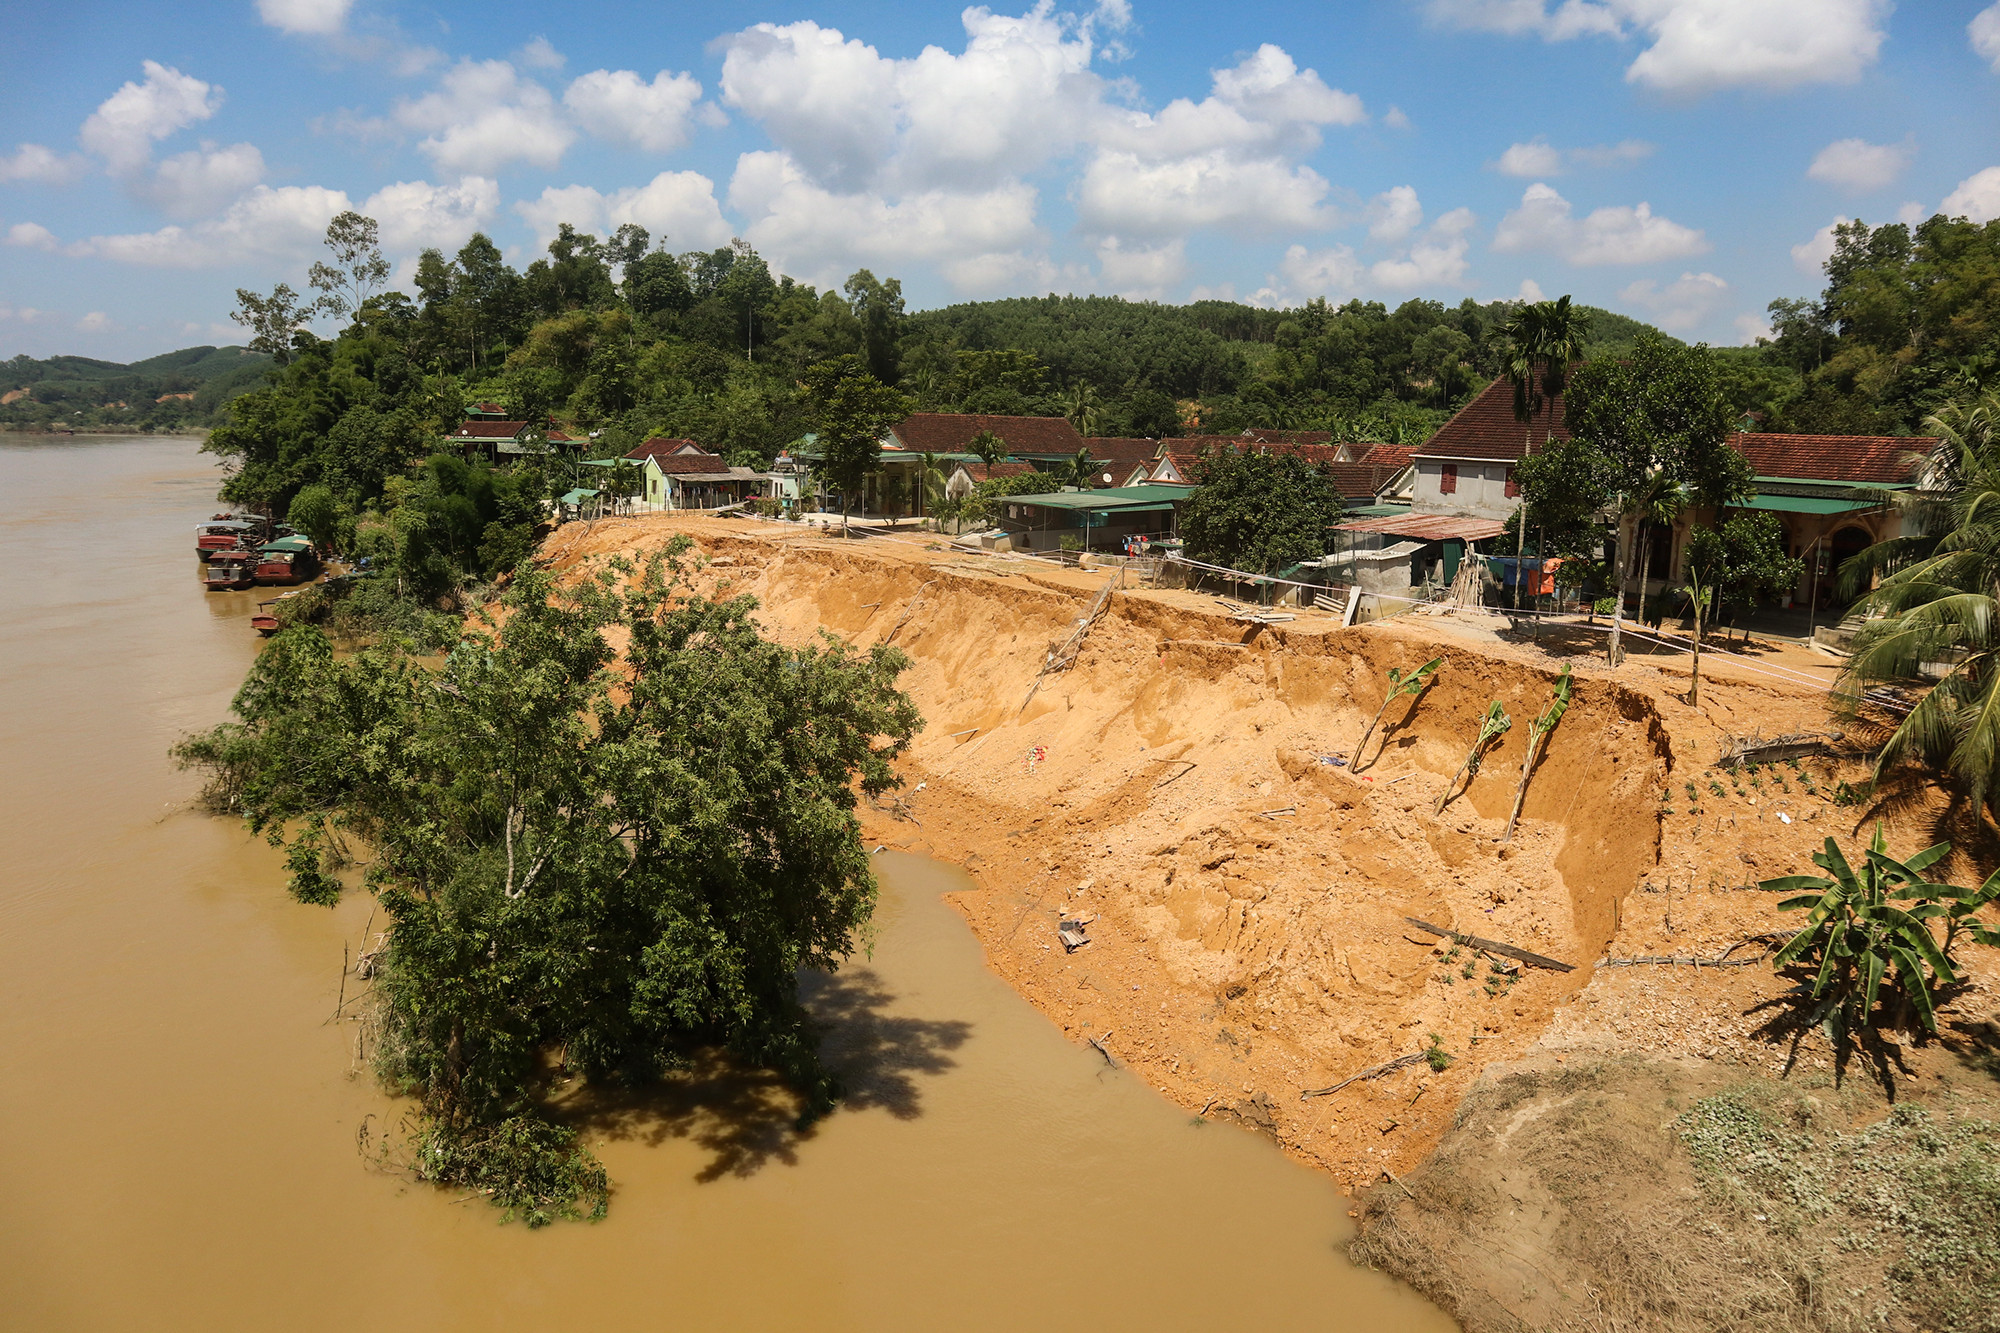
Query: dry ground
[1246, 901]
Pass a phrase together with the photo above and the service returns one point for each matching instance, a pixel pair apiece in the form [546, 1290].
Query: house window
[1448, 479]
[1513, 485]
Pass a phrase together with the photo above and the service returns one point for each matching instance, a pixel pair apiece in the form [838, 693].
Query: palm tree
[1939, 602]
[1082, 469]
[1543, 339]
[1082, 408]
[1657, 502]
[988, 448]
[930, 481]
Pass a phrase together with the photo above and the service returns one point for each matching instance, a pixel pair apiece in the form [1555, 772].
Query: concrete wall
[1481, 493]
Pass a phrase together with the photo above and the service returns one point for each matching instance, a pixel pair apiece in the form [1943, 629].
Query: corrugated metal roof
[1152, 495]
[1429, 527]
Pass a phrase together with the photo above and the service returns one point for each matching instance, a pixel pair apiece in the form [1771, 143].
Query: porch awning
[1805, 504]
[578, 496]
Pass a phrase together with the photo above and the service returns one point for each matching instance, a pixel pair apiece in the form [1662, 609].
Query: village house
[498, 440]
[680, 474]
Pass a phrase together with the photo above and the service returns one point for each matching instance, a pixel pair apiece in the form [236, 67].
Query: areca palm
[1543, 338]
[1657, 502]
[1938, 600]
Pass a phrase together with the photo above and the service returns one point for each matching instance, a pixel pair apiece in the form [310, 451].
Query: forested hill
[172, 391]
[1359, 366]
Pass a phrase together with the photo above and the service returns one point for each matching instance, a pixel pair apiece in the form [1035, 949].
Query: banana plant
[1400, 685]
[1859, 937]
[1494, 725]
[1537, 730]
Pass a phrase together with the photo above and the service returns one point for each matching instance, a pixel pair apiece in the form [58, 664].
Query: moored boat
[287, 560]
[226, 533]
[230, 570]
[265, 620]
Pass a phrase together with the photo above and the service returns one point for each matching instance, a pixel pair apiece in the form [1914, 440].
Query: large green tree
[852, 412]
[602, 860]
[1259, 512]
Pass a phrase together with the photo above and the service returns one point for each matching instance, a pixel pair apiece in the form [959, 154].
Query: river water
[178, 1117]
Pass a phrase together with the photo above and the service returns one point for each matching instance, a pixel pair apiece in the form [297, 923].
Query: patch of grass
[1915, 1195]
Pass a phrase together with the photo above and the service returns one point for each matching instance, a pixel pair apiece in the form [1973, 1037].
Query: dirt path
[1246, 900]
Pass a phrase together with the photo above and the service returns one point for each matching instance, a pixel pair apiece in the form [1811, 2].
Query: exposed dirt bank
[1247, 902]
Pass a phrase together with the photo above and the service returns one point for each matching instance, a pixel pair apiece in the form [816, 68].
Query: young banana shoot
[1537, 732]
[1494, 725]
[1400, 685]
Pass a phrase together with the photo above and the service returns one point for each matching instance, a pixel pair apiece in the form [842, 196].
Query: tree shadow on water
[744, 1117]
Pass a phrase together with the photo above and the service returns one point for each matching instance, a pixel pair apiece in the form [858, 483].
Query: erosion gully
[179, 1117]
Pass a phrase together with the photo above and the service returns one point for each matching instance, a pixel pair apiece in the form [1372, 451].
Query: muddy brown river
[178, 1116]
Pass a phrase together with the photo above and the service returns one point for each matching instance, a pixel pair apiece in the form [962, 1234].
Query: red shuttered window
[1448, 480]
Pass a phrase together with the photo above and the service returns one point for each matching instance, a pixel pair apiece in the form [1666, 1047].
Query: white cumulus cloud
[289, 224]
[540, 53]
[1749, 328]
[33, 162]
[805, 228]
[484, 116]
[1810, 256]
[1538, 157]
[1333, 273]
[1436, 259]
[677, 207]
[1984, 30]
[94, 322]
[31, 236]
[126, 124]
[1695, 46]
[1683, 304]
[1395, 213]
[1545, 222]
[1860, 166]
[1977, 197]
[1141, 272]
[656, 116]
[308, 18]
[203, 181]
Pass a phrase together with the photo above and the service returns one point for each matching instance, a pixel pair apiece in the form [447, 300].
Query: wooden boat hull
[236, 582]
[278, 574]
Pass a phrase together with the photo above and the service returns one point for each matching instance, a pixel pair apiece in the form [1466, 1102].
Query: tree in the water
[596, 862]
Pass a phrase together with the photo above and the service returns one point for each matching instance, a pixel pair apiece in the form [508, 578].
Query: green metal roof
[607, 462]
[1805, 504]
[287, 544]
[1378, 511]
[1153, 495]
[578, 496]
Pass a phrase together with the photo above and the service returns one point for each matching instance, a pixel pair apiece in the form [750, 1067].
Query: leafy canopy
[1259, 512]
[613, 858]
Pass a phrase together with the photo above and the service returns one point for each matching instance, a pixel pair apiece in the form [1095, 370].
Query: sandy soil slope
[1246, 901]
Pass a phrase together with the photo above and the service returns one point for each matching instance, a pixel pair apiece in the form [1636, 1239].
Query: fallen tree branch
[1494, 946]
[1400, 1062]
[1101, 1051]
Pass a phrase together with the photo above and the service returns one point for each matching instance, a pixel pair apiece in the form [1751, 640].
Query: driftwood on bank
[1494, 946]
[1645, 960]
[1757, 750]
[1387, 1067]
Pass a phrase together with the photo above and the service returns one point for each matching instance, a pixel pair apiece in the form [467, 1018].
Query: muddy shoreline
[1247, 903]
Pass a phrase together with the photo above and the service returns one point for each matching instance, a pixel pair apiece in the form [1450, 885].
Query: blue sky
[1679, 160]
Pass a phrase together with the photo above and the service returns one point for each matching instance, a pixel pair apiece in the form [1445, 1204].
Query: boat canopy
[287, 545]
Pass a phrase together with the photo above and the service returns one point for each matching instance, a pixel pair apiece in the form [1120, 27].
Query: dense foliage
[1259, 512]
[176, 391]
[599, 860]
[1909, 320]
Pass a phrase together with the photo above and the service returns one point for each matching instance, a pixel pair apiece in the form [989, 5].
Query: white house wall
[1481, 492]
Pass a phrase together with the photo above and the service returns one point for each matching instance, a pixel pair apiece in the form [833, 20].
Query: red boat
[231, 570]
[265, 621]
[287, 560]
[226, 533]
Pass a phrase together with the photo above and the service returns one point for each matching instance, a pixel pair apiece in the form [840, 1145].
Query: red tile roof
[487, 410]
[690, 465]
[1356, 480]
[1486, 428]
[1394, 456]
[662, 448]
[951, 432]
[987, 472]
[1124, 453]
[1858, 460]
[491, 430]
